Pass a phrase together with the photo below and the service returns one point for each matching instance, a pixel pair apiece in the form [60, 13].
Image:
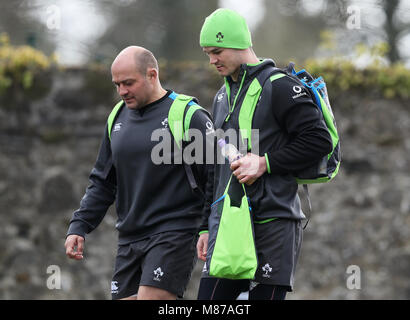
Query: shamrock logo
[219, 37]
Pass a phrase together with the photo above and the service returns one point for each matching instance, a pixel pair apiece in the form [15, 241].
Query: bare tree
[390, 27]
[303, 24]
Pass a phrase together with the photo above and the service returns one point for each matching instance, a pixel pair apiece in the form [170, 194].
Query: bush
[20, 65]
[391, 81]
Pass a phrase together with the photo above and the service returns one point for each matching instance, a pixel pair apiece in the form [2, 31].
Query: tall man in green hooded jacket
[292, 136]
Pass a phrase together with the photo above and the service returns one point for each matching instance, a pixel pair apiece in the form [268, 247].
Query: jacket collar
[252, 69]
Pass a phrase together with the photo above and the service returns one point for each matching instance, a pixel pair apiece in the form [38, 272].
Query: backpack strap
[113, 116]
[306, 191]
[179, 119]
[251, 100]
[188, 116]
[247, 110]
[176, 117]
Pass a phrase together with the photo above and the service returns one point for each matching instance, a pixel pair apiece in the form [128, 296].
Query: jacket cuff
[77, 228]
[272, 164]
[203, 231]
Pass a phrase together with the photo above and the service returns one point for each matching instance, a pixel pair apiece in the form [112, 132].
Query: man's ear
[152, 73]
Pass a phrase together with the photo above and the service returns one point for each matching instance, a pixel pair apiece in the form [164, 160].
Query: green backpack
[327, 167]
[178, 125]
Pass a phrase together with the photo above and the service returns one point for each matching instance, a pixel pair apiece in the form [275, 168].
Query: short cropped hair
[145, 60]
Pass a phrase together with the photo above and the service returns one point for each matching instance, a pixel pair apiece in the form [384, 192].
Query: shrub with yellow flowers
[20, 65]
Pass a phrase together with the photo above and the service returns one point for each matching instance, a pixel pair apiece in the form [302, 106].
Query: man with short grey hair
[158, 211]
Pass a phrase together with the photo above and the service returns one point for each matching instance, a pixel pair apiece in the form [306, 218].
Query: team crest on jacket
[164, 123]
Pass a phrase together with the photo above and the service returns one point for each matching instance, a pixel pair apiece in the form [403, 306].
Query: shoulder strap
[251, 100]
[247, 110]
[113, 115]
[188, 116]
[179, 126]
[179, 121]
[176, 117]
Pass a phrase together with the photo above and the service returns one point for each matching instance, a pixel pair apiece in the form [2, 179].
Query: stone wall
[49, 146]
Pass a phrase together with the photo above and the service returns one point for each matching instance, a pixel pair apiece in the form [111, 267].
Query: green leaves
[19, 65]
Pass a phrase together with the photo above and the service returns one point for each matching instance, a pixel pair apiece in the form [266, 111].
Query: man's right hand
[73, 242]
[202, 246]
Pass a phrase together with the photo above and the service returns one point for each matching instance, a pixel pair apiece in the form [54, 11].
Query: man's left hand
[249, 168]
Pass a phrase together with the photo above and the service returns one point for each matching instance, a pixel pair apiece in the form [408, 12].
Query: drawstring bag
[232, 252]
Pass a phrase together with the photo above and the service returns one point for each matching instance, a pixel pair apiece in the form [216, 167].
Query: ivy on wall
[20, 66]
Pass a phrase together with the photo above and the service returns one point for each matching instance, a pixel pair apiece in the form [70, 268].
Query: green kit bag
[233, 248]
